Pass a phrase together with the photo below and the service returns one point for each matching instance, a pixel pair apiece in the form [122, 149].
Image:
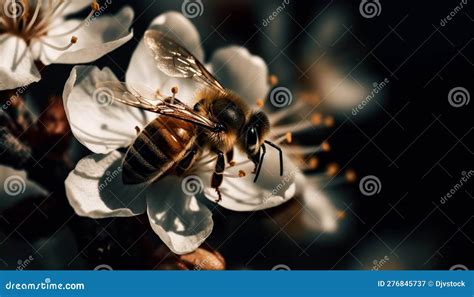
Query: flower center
[33, 19]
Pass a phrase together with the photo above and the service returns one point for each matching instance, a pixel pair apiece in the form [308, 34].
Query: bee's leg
[230, 157]
[218, 174]
[185, 163]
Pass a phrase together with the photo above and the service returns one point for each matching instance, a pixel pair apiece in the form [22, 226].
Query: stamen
[95, 6]
[260, 103]
[316, 119]
[289, 138]
[242, 173]
[332, 169]
[329, 121]
[35, 15]
[325, 146]
[350, 175]
[73, 41]
[273, 80]
[313, 163]
[340, 214]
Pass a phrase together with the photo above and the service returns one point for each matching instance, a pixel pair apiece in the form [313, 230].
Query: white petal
[17, 66]
[95, 188]
[142, 68]
[95, 39]
[76, 6]
[270, 190]
[181, 221]
[242, 72]
[318, 212]
[96, 120]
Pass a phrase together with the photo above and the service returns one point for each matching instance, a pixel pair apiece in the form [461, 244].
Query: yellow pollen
[241, 173]
[260, 103]
[95, 6]
[329, 121]
[232, 163]
[73, 40]
[340, 214]
[350, 175]
[325, 146]
[332, 169]
[273, 79]
[316, 119]
[289, 137]
[313, 163]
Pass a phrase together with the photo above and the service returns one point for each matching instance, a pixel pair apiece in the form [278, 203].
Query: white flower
[32, 30]
[177, 213]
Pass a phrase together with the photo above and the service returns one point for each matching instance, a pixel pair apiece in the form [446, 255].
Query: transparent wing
[164, 105]
[176, 61]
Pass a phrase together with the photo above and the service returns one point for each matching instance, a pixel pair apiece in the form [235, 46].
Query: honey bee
[171, 143]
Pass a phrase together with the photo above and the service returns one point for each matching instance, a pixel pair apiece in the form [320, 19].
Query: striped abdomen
[161, 144]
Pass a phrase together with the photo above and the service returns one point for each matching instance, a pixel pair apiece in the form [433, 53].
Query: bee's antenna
[260, 162]
[281, 154]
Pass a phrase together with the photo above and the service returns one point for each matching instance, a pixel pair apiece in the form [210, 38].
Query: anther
[289, 137]
[73, 39]
[174, 90]
[350, 175]
[242, 173]
[260, 103]
[316, 119]
[273, 79]
[332, 169]
[137, 129]
[313, 163]
[325, 146]
[95, 6]
[340, 214]
[329, 121]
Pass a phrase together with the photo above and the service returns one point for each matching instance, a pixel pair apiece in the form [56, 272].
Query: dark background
[411, 138]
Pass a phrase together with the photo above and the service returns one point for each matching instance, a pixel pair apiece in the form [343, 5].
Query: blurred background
[393, 80]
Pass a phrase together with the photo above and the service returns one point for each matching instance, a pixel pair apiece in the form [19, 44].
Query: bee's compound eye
[252, 140]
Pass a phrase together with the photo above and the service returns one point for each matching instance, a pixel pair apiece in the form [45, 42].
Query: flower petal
[241, 72]
[17, 66]
[97, 121]
[181, 221]
[95, 188]
[142, 67]
[318, 213]
[270, 190]
[95, 39]
[75, 6]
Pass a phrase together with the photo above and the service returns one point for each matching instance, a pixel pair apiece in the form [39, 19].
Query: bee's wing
[125, 93]
[176, 61]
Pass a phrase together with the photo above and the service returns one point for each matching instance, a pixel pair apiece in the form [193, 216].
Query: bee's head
[254, 134]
